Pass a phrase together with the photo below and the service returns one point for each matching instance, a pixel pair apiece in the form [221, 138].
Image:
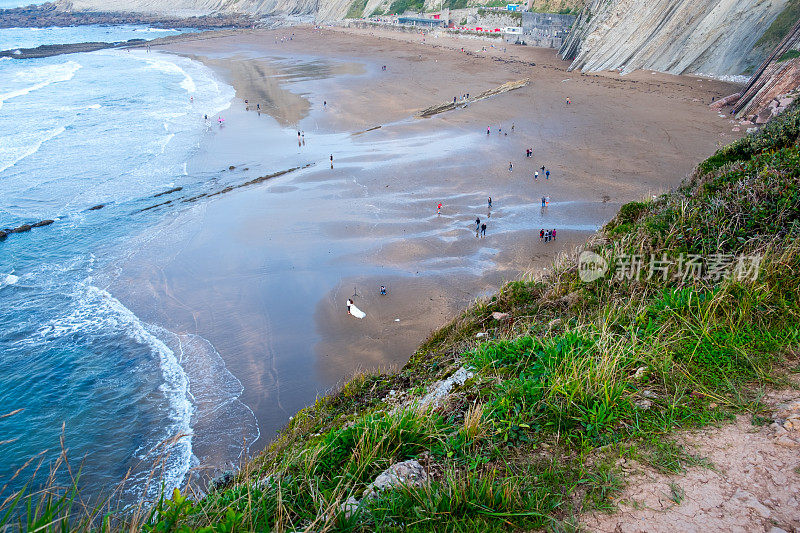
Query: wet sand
[263, 272]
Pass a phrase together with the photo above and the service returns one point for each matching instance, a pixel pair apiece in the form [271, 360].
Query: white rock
[442, 388]
[349, 507]
[406, 473]
[786, 441]
[644, 404]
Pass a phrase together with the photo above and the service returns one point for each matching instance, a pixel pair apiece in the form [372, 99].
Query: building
[547, 30]
[423, 22]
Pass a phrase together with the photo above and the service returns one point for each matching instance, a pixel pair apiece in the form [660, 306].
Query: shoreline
[430, 264]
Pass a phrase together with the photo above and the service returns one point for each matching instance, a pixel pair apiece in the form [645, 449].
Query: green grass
[356, 9]
[781, 26]
[791, 54]
[399, 7]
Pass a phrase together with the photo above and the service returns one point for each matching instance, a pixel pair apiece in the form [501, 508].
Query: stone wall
[547, 30]
[497, 19]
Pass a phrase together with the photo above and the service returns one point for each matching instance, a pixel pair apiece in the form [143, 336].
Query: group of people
[247, 107]
[547, 235]
[489, 129]
[480, 228]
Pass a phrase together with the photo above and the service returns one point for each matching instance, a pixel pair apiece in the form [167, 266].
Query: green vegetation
[456, 4]
[356, 9]
[401, 6]
[781, 26]
[579, 376]
[791, 54]
[489, 13]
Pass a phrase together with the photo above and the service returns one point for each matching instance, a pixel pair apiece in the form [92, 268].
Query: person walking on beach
[439, 209]
[477, 225]
[547, 175]
[383, 288]
[536, 175]
[554, 234]
[483, 230]
[487, 130]
[546, 201]
[542, 201]
[490, 202]
[541, 234]
[510, 167]
[542, 169]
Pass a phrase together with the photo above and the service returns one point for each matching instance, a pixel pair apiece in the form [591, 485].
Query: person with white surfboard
[353, 310]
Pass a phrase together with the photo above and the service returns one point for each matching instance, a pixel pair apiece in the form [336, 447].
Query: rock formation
[715, 37]
[326, 10]
[64, 14]
[775, 84]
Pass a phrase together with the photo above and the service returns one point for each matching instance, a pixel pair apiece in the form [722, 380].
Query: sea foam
[97, 313]
[11, 155]
[40, 77]
[8, 279]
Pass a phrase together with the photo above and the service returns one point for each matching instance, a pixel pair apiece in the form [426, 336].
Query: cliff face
[714, 37]
[776, 83]
[324, 10]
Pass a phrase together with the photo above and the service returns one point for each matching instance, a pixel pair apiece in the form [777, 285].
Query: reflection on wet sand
[262, 82]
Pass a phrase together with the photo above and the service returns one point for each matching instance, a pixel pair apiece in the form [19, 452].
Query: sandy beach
[263, 272]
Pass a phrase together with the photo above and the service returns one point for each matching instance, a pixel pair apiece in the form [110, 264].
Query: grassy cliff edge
[693, 312]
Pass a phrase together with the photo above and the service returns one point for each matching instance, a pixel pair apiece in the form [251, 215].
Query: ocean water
[114, 128]
[7, 4]
[12, 38]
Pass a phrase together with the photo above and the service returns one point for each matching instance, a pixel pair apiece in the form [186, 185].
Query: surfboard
[356, 312]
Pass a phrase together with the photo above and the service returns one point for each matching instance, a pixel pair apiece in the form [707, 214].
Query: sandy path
[752, 482]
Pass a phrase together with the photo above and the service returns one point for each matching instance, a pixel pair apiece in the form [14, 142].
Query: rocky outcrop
[64, 14]
[449, 106]
[24, 228]
[327, 10]
[775, 84]
[715, 37]
[48, 50]
[403, 474]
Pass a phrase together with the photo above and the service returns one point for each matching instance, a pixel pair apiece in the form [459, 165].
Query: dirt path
[752, 482]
